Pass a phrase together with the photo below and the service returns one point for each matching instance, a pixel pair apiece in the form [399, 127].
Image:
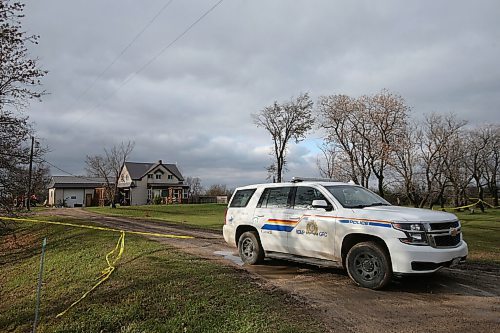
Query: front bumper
[412, 259]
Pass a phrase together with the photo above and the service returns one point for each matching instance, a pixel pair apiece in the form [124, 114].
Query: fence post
[39, 288]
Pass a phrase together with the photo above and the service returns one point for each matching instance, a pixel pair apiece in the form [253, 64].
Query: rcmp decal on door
[289, 225]
[312, 229]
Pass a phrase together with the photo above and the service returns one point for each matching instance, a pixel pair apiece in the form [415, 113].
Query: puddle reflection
[230, 256]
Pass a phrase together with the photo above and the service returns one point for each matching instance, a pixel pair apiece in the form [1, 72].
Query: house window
[164, 193]
[170, 177]
[158, 176]
[150, 176]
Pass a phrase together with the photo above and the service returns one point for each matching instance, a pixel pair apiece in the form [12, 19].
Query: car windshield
[355, 196]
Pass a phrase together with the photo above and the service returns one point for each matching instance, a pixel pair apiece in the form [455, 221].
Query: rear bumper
[411, 259]
[229, 232]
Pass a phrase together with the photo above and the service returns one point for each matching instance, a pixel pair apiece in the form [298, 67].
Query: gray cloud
[192, 105]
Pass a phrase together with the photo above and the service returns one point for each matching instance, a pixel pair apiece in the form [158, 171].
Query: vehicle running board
[305, 260]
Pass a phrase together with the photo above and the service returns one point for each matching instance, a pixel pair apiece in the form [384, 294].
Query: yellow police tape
[105, 274]
[97, 228]
[487, 204]
[472, 205]
[117, 251]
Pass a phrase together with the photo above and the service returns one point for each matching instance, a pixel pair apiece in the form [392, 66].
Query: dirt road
[453, 300]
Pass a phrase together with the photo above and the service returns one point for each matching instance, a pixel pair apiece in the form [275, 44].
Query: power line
[139, 34]
[150, 61]
[64, 171]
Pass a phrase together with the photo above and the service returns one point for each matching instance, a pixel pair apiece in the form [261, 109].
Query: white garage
[71, 191]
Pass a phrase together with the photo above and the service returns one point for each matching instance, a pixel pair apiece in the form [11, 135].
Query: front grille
[443, 225]
[446, 240]
[441, 234]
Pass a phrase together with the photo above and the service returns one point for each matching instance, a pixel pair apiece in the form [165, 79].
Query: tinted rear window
[275, 197]
[241, 198]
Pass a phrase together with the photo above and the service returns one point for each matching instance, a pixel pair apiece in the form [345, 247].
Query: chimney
[159, 161]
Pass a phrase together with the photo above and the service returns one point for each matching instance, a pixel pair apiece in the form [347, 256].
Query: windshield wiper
[370, 205]
[377, 204]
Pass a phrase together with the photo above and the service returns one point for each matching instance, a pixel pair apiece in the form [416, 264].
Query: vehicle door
[314, 234]
[272, 216]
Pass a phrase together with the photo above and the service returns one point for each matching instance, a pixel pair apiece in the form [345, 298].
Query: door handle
[259, 215]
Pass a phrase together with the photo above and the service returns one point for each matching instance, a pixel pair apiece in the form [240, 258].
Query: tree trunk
[381, 186]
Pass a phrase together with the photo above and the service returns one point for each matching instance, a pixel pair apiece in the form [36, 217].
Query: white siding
[139, 194]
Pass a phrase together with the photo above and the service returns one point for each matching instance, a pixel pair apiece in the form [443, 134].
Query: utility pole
[28, 199]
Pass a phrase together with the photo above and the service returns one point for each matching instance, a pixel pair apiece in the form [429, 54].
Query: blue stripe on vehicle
[277, 227]
[377, 224]
[370, 223]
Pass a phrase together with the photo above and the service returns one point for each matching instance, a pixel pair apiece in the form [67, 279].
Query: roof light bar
[311, 179]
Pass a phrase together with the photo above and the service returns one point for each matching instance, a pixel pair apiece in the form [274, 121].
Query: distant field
[209, 216]
[154, 288]
[481, 230]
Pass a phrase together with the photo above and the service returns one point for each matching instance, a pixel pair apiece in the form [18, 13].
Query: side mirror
[322, 204]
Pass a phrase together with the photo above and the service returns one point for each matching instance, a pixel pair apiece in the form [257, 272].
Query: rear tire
[369, 265]
[250, 248]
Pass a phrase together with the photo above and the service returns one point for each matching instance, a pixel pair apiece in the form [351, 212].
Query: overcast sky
[192, 103]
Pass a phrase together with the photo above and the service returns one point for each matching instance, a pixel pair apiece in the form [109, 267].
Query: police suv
[329, 223]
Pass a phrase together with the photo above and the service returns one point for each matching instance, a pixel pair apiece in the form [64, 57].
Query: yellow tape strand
[119, 248]
[97, 228]
[474, 204]
[106, 273]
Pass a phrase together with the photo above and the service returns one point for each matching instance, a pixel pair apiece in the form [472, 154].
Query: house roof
[139, 170]
[77, 182]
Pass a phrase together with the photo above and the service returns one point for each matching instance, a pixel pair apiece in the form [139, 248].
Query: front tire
[369, 265]
[250, 248]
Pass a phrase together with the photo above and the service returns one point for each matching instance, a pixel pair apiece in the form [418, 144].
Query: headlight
[415, 233]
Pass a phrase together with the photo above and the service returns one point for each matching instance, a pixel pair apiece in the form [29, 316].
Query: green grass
[482, 233]
[154, 288]
[210, 216]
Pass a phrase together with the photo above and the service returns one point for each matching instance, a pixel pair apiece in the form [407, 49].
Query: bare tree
[382, 126]
[326, 164]
[195, 187]
[218, 190]
[456, 167]
[434, 142]
[19, 80]
[19, 74]
[109, 167]
[482, 161]
[286, 121]
[339, 117]
[405, 164]
[492, 161]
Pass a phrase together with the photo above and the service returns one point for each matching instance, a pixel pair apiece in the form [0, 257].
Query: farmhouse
[141, 183]
[73, 191]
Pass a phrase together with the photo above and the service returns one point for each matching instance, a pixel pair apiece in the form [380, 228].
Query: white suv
[338, 224]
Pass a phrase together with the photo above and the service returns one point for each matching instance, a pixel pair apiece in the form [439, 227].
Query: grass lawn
[209, 216]
[154, 288]
[482, 233]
